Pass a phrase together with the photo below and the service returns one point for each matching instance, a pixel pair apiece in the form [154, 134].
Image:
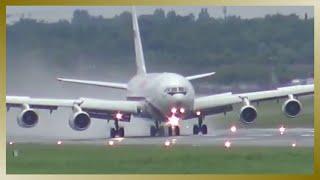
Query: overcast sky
[54, 13]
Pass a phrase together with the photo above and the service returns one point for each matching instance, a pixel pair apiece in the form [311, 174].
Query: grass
[86, 159]
[124, 159]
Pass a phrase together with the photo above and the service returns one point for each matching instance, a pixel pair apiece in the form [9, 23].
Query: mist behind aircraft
[34, 76]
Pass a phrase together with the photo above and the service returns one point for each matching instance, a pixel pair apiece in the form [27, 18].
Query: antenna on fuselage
[141, 68]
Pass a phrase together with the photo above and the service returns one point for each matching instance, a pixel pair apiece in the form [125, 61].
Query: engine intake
[248, 114]
[80, 120]
[292, 107]
[27, 118]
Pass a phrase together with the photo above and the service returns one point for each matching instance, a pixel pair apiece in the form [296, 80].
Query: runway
[300, 137]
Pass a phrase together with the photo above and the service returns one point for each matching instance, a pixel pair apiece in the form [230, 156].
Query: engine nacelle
[80, 121]
[27, 118]
[292, 107]
[248, 114]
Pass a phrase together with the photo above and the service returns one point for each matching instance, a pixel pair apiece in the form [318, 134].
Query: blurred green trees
[237, 49]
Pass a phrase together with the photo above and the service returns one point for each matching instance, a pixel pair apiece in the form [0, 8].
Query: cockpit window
[175, 90]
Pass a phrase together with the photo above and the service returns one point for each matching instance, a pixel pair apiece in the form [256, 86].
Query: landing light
[227, 144]
[293, 144]
[233, 129]
[11, 143]
[173, 121]
[119, 115]
[59, 142]
[198, 113]
[111, 143]
[167, 143]
[282, 130]
[173, 110]
[182, 110]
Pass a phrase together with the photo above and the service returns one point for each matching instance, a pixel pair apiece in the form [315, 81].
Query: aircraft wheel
[153, 131]
[161, 131]
[204, 129]
[121, 132]
[170, 130]
[112, 133]
[177, 130]
[195, 129]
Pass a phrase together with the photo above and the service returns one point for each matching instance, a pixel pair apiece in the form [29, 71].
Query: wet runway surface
[242, 137]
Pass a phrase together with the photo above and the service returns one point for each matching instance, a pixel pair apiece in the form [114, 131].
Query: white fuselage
[162, 92]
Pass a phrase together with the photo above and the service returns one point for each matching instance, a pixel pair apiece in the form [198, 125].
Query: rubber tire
[177, 130]
[161, 131]
[170, 131]
[121, 132]
[204, 129]
[112, 133]
[153, 131]
[195, 129]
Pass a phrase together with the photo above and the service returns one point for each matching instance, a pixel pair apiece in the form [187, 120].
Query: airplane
[164, 98]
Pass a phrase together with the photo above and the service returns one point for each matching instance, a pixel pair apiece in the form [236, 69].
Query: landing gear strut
[160, 130]
[153, 131]
[116, 130]
[174, 130]
[197, 128]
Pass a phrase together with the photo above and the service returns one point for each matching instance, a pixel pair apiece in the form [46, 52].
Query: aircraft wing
[91, 106]
[95, 83]
[199, 76]
[223, 102]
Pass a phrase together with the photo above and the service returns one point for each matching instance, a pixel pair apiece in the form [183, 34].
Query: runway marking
[307, 135]
[246, 137]
[240, 138]
[208, 135]
[260, 135]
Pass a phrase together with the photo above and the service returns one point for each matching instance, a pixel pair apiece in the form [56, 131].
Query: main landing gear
[174, 130]
[197, 128]
[116, 130]
[156, 130]
[160, 130]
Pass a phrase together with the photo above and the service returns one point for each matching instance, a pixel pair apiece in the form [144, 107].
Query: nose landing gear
[174, 130]
[157, 130]
[197, 128]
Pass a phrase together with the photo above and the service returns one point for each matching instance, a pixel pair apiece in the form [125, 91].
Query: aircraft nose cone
[178, 98]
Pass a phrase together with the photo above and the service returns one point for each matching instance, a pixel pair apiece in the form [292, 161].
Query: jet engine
[292, 107]
[27, 118]
[79, 120]
[248, 113]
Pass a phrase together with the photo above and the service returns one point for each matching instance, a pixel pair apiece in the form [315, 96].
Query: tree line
[239, 50]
